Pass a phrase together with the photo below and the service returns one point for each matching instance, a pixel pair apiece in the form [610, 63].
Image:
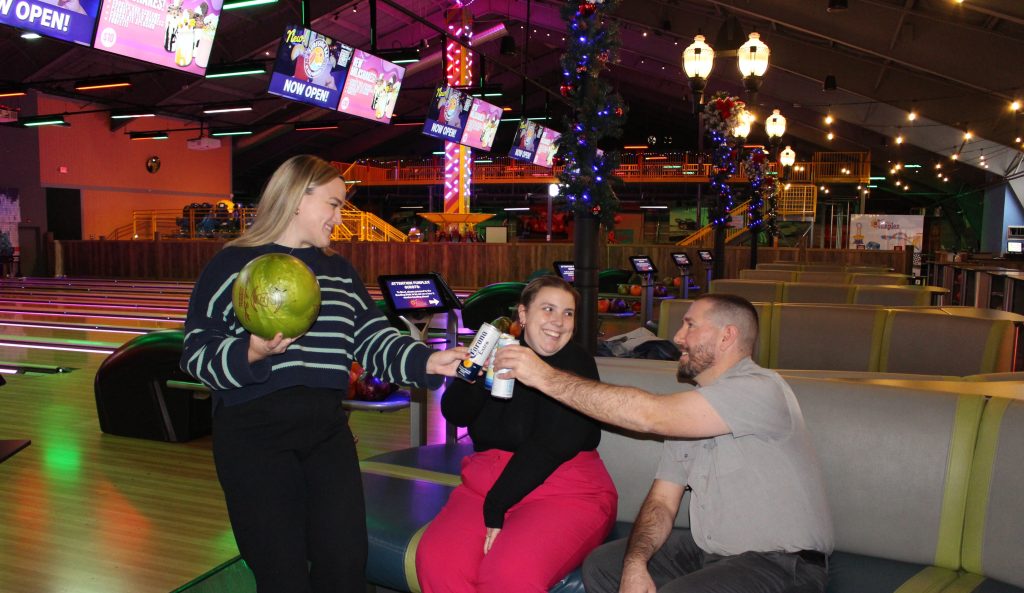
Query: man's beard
[700, 359]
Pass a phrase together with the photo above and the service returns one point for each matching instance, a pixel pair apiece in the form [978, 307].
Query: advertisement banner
[173, 33]
[482, 125]
[886, 231]
[447, 114]
[371, 88]
[310, 68]
[524, 145]
[67, 20]
[547, 148]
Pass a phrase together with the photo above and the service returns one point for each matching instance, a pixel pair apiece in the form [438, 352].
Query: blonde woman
[284, 453]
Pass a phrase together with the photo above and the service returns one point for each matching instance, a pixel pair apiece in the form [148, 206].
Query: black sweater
[349, 327]
[540, 432]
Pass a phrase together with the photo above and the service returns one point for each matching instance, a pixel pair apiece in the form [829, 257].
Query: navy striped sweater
[349, 327]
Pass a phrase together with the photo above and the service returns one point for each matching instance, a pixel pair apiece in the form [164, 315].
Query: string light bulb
[968, 135]
[1015, 106]
[829, 119]
[912, 115]
[899, 136]
[830, 136]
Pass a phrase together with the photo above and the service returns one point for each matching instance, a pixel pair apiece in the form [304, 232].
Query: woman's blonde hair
[280, 199]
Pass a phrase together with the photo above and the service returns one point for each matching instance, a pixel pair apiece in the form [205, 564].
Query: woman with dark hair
[284, 453]
[535, 497]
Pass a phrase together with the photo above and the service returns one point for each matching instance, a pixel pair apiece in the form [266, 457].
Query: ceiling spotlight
[30, 35]
[1015, 106]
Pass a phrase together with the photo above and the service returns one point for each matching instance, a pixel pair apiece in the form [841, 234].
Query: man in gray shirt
[758, 515]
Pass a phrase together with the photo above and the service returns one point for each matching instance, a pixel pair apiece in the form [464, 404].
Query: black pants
[288, 467]
[681, 567]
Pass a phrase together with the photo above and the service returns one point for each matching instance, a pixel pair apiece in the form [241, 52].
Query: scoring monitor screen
[682, 260]
[642, 264]
[1014, 247]
[705, 256]
[416, 293]
[567, 270]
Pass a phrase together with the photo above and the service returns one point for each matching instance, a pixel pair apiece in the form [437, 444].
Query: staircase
[799, 202]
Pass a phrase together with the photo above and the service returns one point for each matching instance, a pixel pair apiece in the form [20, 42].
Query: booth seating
[884, 279]
[814, 267]
[867, 294]
[780, 275]
[930, 340]
[832, 277]
[829, 277]
[813, 292]
[923, 486]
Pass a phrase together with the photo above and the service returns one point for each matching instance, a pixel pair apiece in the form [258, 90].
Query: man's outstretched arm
[682, 414]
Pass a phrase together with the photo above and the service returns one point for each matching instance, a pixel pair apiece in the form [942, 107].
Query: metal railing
[356, 225]
[825, 167]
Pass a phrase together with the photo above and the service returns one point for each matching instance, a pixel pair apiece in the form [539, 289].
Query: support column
[458, 159]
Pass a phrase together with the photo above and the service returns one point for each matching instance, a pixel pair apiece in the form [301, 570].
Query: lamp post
[775, 127]
[698, 59]
[752, 58]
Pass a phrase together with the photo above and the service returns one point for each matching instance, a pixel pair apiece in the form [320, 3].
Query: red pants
[546, 535]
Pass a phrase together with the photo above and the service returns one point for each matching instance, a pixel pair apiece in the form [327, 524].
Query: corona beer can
[503, 387]
[480, 348]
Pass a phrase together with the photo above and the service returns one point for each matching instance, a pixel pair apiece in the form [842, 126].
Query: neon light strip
[61, 348]
[94, 328]
[180, 319]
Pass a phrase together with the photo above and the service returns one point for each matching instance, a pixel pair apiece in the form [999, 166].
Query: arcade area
[860, 184]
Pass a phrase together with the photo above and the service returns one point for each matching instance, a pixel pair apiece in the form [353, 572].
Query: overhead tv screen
[68, 20]
[177, 34]
[527, 138]
[547, 148]
[371, 87]
[447, 114]
[535, 144]
[481, 125]
[310, 68]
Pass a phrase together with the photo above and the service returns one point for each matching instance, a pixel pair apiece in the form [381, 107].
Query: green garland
[598, 113]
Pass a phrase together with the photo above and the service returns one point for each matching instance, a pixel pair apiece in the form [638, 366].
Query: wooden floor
[86, 512]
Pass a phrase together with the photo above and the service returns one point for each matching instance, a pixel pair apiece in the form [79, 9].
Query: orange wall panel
[111, 170]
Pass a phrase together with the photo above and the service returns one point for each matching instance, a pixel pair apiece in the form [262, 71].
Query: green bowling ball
[276, 292]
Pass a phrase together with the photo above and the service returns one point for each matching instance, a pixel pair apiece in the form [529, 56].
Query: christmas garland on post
[753, 166]
[721, 115]
[598, 113]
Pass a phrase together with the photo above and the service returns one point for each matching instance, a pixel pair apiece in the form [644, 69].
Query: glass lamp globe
[787, 157]
[698, 58]
[775, 125]
[753, 56]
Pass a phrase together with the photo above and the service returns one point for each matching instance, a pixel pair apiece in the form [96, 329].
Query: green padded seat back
[836, 277]
[891, 296]
[896, 464]
[935, 343]
[994, 528]
[755, 291]
[829, 337]
[783, 275]
[811, 292]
